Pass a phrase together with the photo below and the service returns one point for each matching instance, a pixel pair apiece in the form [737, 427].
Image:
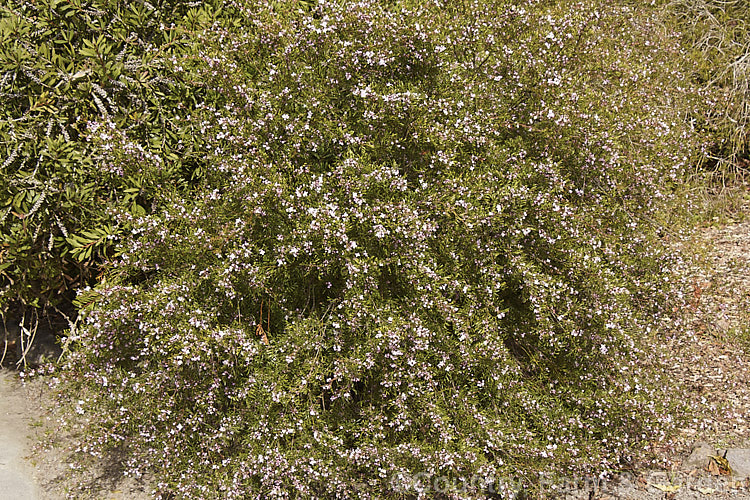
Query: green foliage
[423, 248]
[70, 69]
[718, 35]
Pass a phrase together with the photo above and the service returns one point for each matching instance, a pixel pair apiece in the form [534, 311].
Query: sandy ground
[34, 458]
[17, 481]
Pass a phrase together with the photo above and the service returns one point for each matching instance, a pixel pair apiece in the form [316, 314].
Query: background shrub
[718, 35]
[90, 109]
[421, 245]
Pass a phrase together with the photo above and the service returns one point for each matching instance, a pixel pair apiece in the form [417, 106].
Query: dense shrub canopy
[419, 247]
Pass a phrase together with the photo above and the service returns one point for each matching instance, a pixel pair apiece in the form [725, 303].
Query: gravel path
[17, 480]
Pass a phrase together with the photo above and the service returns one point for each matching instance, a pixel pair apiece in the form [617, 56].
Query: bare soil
[16, 473]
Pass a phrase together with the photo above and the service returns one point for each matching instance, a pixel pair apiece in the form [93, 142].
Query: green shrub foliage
[420, 250]
[717, 33]
[69, 69]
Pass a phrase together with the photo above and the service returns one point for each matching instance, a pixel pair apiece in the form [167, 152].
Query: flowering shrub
[421, 247]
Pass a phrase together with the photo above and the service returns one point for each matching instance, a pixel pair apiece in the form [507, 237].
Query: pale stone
[739, 461]
[699, 457]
